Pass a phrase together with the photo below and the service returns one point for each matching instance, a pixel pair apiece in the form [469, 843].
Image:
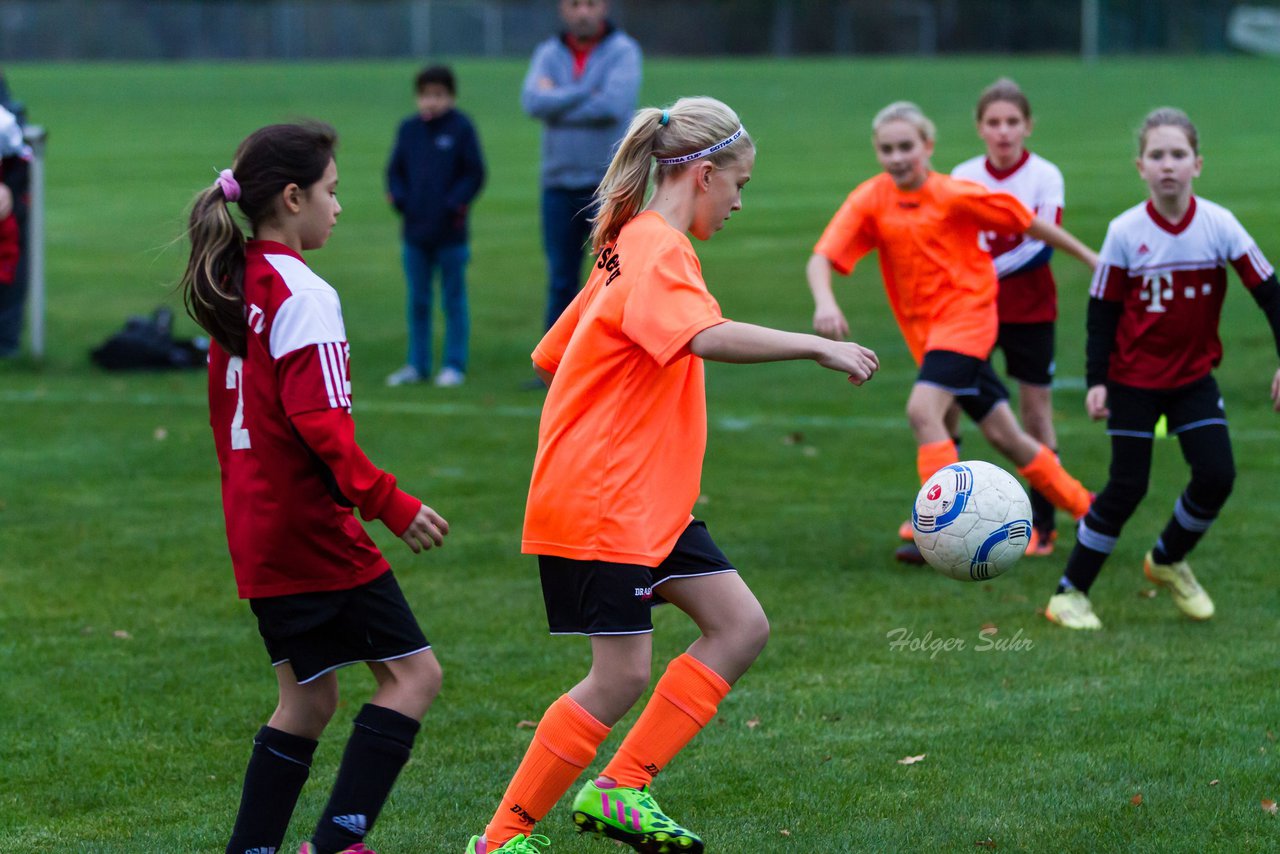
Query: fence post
[35, 137]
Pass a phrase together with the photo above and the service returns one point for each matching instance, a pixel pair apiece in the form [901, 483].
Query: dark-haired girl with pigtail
[617, 472]
[280, 409]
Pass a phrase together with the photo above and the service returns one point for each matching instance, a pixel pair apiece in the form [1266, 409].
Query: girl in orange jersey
[619, 461]
[942, 288]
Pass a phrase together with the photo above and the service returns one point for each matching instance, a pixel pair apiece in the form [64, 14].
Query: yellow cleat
[1187, 593]
[1073, 610]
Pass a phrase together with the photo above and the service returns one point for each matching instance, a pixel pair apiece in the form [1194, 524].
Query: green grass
[110, 520]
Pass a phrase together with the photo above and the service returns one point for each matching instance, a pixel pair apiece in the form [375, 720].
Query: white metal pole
[1090, 20]
[35, 137]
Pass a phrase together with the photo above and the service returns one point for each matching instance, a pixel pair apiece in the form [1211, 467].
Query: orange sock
[933, 456]
[1046, 474]
[683, 702]
[563, 745]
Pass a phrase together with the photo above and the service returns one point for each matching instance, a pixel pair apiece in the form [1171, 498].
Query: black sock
[380, 744]
[278, 768]
[1186, 526]
[1042, 513]
[1083, 567]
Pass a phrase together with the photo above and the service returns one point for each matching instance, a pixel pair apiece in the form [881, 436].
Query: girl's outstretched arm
[1059, 238]
[744, 343]
[828, 319]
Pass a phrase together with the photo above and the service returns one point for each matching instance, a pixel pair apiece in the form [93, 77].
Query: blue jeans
[420, 263]
[565, 227]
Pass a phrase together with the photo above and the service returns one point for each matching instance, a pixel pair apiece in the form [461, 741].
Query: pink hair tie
[227, 183]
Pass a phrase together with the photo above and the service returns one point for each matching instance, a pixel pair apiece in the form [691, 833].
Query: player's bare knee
[922, 417]
[755, 633]
[421, 676]
[626, 683]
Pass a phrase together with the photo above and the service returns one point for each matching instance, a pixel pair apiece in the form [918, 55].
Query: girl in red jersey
[1152, 346]
[941, 286]
[280, 408]
[620, 450]
[1028, 299]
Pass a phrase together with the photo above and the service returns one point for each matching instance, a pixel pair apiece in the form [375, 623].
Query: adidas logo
[357, 824]
[1143, 250]
[260, 851]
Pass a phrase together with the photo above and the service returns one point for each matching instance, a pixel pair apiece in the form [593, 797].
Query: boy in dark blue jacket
[435, 172]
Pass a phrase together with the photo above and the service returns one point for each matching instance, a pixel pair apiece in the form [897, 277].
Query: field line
[438, 409]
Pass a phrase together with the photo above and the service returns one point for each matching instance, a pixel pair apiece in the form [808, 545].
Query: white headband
[706, 152]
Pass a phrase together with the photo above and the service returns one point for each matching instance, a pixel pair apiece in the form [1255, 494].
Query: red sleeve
[331, 434]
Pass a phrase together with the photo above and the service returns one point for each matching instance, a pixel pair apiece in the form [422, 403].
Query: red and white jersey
[1028, 293]
[288, 526]
[1172, 278]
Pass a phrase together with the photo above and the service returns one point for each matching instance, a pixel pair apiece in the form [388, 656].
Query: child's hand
[853, 359]
[829, 322]
[1095, 402]
[428, 528]
[1275, 391]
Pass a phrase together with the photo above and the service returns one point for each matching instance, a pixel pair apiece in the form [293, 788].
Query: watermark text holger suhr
[906, 640]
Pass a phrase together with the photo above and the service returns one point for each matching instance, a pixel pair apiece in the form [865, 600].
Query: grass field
[132, 680]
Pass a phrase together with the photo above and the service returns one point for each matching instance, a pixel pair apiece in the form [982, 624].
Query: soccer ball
[972, 520]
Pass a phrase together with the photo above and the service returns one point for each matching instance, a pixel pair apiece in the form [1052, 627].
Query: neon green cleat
[1073, 610]
[633, 817]
[1187, 593]
[519, 845]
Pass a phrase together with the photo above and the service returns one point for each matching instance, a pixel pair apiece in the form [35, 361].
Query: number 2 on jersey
[235, 380]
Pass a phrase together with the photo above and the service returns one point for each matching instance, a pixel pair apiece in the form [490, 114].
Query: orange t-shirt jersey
[624, 425]
[941, 283]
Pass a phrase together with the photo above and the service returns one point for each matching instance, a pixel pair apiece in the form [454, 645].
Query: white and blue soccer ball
[972, 520]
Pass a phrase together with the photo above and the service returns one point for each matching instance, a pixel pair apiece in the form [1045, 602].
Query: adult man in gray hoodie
[583, 85]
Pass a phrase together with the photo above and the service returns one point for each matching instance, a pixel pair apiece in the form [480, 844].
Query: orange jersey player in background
[942, 288]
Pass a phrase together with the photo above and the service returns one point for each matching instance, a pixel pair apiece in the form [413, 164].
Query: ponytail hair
[268, 160]
[1168, 117]
[689, 126]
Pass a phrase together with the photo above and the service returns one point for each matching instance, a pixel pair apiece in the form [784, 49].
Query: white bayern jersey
[1036, 183]
[1172, 279]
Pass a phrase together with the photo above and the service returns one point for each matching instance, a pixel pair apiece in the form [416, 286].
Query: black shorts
[319, 632]
[1135, 411]
[597, 597]
[1028, 352]
[972, 380]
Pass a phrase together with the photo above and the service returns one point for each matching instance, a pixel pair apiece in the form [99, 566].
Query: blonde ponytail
[688, 126]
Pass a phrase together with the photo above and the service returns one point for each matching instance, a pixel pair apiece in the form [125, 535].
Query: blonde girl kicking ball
[1152, 345]
[941, 286]
[617, 471]
[280, 408]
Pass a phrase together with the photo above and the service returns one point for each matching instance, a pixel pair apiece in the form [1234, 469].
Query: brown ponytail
[269, 160]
